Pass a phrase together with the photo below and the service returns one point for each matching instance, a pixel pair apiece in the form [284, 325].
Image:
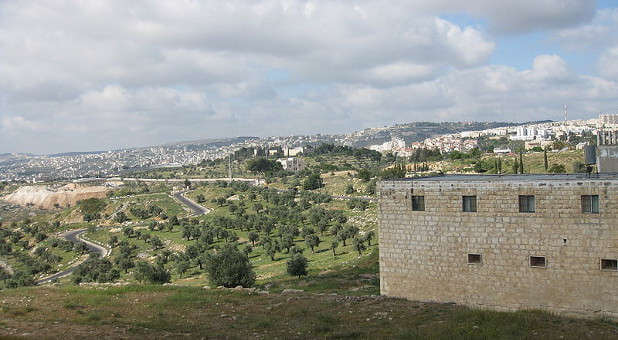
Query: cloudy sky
[81, 75]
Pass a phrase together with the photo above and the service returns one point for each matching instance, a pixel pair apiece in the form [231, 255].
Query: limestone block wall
[423, 254]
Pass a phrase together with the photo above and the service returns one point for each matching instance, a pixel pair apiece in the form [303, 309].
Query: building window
[474, 258]
[590, 204]
[418, 203]
[537, 261]
[609, 264]
[469, 203]
[526, 203]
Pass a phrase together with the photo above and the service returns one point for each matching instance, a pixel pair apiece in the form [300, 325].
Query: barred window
[526, 203]
[418, 203]
[590, 204]
[537, 261]
[609, 264]
[474, 258]
[469, 203]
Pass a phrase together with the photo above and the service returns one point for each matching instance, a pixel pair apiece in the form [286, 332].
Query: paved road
[254, 181]
[196, 208]
[364, 198]
[74, 236]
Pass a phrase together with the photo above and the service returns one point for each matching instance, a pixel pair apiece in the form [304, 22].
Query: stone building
[504, 242]
[293, 164]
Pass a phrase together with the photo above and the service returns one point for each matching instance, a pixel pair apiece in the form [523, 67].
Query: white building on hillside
[293, 164]
[395, 144]
[291, 152]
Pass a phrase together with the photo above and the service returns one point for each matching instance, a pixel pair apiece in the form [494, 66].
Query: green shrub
[230, 267]
[297, 265]
[145, 272]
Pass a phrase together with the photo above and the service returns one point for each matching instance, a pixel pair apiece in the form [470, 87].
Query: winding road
[74, 236]
[196, 208]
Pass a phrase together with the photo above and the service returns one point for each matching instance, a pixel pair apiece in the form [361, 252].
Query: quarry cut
[46, 197]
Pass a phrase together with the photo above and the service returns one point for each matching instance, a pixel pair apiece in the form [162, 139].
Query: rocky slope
[45, 197]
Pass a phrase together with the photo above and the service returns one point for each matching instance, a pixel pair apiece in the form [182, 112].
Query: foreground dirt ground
[169, 311]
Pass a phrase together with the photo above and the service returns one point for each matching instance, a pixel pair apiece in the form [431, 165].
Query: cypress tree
[545, 160]
[521, 162]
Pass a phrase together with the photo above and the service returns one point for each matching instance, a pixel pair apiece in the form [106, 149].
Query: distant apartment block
[608, 120]
[607, 153]
[291, 152]
[502, 242]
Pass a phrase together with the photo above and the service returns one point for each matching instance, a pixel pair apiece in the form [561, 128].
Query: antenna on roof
[565, 113]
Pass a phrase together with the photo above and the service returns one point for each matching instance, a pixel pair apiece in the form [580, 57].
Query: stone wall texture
[424, 254]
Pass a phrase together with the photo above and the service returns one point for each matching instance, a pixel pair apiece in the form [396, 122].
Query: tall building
[608, 119]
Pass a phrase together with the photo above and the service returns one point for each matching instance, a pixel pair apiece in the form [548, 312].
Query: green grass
[167, 311]
[162, 200]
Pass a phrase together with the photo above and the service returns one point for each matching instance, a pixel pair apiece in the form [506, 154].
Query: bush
[557, 169]
[297, 265]
[145, 272]
[121, 217]
[230, 268]
[91, 206]
[20, 279]
[95, 270]
[349, 189]
[263, 165]
[314, 181]
[397, 171]
[364, 175]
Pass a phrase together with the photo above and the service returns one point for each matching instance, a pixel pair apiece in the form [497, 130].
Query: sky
[84, 75]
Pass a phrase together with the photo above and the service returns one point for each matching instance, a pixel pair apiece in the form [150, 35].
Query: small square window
[590, 204]
[474, 258]
[526, 203]
[469, 203]
[609, 264]
[418, 203]
[537, 261]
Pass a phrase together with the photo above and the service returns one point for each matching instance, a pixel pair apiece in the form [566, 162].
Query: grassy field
[533, 162]
[219, 170]
[168, 311]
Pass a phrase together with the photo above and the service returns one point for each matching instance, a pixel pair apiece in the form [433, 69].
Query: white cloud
[521, 15]
[117, 73]
[548, 68]
[599, 36]
[16, 124]
[608, 64]
[601, 32]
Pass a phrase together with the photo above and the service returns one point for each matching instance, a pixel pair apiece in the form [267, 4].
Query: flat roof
[519, 177]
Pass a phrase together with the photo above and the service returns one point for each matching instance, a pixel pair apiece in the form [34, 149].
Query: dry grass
[167, 311]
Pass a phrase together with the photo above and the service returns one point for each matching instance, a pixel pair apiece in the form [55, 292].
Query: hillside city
[33, 168]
